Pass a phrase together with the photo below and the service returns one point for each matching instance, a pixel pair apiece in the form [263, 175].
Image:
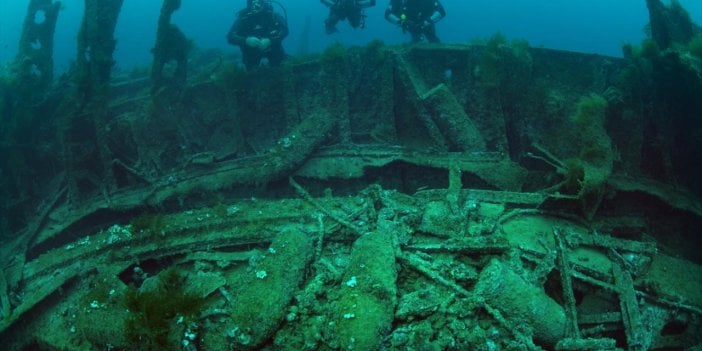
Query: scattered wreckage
[485, 197]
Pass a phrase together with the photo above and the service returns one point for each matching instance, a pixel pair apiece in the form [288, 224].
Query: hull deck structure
[485, 196]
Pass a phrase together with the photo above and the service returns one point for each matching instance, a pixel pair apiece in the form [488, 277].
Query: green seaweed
[220, 210]
[574, 175]
[649, 49]
[589, 120]
[230, 78]
[154, 313]
[671, 26]
[505, 67]
[489, 67]
[683, 27]
[100, 292]
[595, 146]
[149, 224]
[375, 53]
[586, 176]
[334, 58]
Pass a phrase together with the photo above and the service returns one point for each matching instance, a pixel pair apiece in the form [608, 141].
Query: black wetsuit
[418, 17]
[352, 10]
[263, 24]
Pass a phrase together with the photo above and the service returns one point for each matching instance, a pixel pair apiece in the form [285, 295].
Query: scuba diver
[259, 31]
[418, 17]
[352, 10]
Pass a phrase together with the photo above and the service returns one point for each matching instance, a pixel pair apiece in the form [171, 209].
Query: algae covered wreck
[487, 196]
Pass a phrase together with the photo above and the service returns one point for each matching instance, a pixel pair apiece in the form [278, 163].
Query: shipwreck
[491, 196]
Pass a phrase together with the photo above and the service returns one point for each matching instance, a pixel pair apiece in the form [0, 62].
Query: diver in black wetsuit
[259, 32]
[418, 17]
[352, 10]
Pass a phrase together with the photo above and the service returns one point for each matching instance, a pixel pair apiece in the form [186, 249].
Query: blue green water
[594, 26]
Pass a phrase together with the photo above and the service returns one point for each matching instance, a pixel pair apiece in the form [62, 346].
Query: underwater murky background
[594, 26]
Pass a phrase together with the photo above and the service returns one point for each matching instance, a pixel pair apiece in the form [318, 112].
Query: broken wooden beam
[631, 316]
[610, 242]
[494, 168]
[565, 270]
[467, 245]
[280, 161]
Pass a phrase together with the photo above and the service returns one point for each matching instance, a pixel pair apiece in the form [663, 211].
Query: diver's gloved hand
[264, 44]
[253, 42]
